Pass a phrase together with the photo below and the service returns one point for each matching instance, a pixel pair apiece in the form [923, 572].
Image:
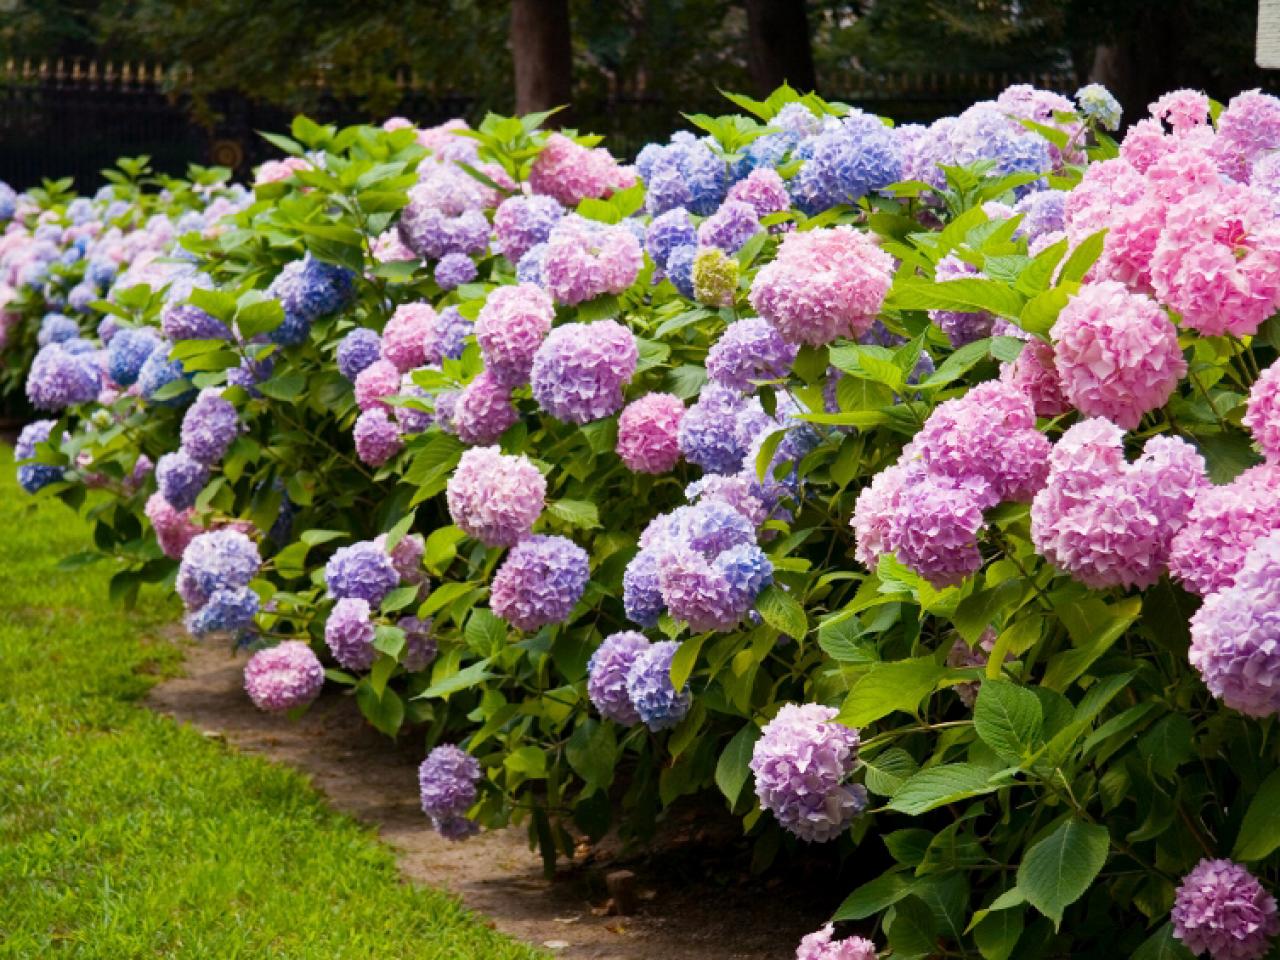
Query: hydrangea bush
[911, 489]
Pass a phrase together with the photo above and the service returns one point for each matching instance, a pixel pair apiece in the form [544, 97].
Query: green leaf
[874, 896]
[972, 294]
[888, 770]
[485, 633]
[477, 673]
[1008, 718]
[286, 386]
[887, 687]
[997, 934]
[385, 712]
[1260, 833]
[399, 598]
[685, 659]
[389, 640]
[1058, 870]
[934, 787]
[527, 760]
[782, 612]
[577, 513]
[1163, 945]
[914, 931]
[261, 317]
[1094, 626]
[592, 752]
[732, 770]
[1084, 256]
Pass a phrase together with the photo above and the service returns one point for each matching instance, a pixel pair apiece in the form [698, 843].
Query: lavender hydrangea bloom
[419, 646]
[8, 201]
[308, 289]
[447, 782]
[448, 336]
[127, 352]
[1221, 908]
[685, 173]
[607, 676]
[227, 611]
[539, 582]
[847, 161]
[56, 328]
[283, 677]
[959, 326]
[362, 571]
[218, 560]
[521, 223]
[748, 350]
[180, 478]
[59, 379]
[185, 321]
[679, 268]
[209, 427]
[641, 593]
[718, 428]
[580, 369]
[667, 232]
[349, 633]
[729, 227]
[455, 269]
[657, 702]
[34, 476]
[357, 350]
[801, 764]
[159, 371]
[529, 269]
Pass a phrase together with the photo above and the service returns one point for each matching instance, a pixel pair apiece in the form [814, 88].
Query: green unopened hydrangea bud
[101, 419]
[715, 277]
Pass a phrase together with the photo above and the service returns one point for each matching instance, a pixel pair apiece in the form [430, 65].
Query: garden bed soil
[695, 897]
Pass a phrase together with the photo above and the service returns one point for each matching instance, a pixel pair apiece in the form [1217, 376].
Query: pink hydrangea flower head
[495, 497]
[988, 434]
[802, 763]
[649, 433]
[1116, 353]
[607, 676]
[1144, 143]
[483, 411]
[539, 582]
[580, 370]
[283, 677]
[377, 437]
[570, 172]
[824, 284]
[511, 326]
[935, 526]
[1222, 909]
[1034, 373]
[1182, 109]
[1223, 525]
[349, 633]
[1263, 414]
[1235, 636]
[764, 190]
[273, 171]
[585, 259]
[445, 143]
[379, 380]
[1105, 521]
[822, 945]
[1217, 261]
[405, 335]
[174, 529]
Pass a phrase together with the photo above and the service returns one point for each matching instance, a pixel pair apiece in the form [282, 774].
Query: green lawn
[124, 835]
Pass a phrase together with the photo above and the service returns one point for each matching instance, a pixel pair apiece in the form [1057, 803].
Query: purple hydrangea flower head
[585, 259]
[822, 945]
[59, 379]
[483, 411]
[108, 327]
[539, 582]
[511, 326]
[1043, 214]
[641, 592]
[8, 201]
[747, 571]
[679, 268]
[226, 612]
[55, 328]
[455, 269]
[349, 633]
[696, 592]
[447, 783]
[34, 476]
[362, 571]
[736, 491]
[209, 427]
[730, 227]
[935, 526]
[667, 232]
[377, 437]
[411, 419]
[749, 350]
[159, 371]
[185, 321]
[607, 676]
[308, 289]
[850, 159]
[529, 269]
[180, 478]
[223, 559]
[447, 337]
[717, 430]
[685, 173]
[521, 223]
[284, 677]
[649, 433]
[127, 352]
[1108, 522]
[657, 703]
[420, 647]
[495, 497]
[823, 284]
[764, 191]
[580, 369]
[250, 373]
[357, 350]
[1220, 908]
[802, 763]
[432, 233]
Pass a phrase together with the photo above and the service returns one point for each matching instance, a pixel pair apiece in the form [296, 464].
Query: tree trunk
[778, 45]
[542, 51]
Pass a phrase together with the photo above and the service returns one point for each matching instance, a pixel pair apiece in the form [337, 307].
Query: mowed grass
[125, 835]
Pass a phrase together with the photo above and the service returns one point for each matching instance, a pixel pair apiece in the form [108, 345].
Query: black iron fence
[74, 118]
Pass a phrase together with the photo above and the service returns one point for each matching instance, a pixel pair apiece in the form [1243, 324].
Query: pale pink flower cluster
[570, 172]
[1263, 414]
[273, 171]
[649, 433]
[585, 259]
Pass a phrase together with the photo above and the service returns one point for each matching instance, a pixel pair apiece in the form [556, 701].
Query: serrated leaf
[888, 687]
[582, 514]
[1008, 718]
[1058, 869]
[782, 612]
[732, 770]
[934, 787]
